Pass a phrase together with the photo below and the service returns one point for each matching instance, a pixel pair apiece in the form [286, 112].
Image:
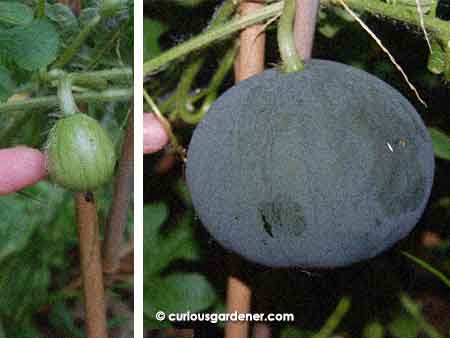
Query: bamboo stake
[91, 266]
[249, 61]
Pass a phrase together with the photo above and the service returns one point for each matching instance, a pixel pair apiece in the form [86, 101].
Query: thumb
[20, 167]
[155, 136]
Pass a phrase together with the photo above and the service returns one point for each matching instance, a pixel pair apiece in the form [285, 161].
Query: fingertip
[20, 167]
[155, 136]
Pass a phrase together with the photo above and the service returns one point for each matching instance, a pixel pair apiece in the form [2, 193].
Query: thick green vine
[437, 28]
[289, 55]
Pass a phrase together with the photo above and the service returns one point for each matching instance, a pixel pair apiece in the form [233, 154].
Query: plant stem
[41, 9]
[335, 319]
[118, 212]
[91, 266]
[184, 87]
[286, 45]
[73, 48]
[215, 82]
[435, 26]
[428, 267]
[113, 74]
[305, 26]
[109, 95]
[206, 38]
[99, 54]
[190, 72]
[414, 310]
[66, 101]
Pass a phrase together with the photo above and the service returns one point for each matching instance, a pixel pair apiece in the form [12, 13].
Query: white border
[138, 171]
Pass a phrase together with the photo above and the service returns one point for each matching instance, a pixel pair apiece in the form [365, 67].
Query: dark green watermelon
[316, 169]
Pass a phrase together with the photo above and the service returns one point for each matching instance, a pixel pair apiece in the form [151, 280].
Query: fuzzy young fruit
[80, 153]
[316, 169]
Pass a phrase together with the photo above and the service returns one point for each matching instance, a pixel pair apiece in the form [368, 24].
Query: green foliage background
[186, 270]
[38, 234]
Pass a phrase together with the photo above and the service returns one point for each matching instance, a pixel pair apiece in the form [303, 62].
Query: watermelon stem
[65, 96]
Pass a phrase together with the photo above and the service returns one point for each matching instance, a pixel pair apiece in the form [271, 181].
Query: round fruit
[80, 153]
[316, 169]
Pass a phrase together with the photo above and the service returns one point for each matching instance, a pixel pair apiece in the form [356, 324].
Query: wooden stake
[249, 61]
[91, 266]
[118, 213]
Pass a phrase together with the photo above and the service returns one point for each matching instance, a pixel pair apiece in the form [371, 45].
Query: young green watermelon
[316, 169]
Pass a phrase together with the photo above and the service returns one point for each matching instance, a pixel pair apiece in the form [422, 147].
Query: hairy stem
[285, 36]
[75, 46]
[191, 70]
[109, 95]
[435, 26]
[66, 101]
[91, 266]
[113, 74]
[118, 213]
[206, 38]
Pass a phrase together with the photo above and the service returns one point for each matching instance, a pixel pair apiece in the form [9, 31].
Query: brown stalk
[304, 26]
[91, 266]
[249, 61]
[118, 212]
[261, 330]
[250, 58]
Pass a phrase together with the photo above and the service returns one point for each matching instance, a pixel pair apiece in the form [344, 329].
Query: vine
[437, 28]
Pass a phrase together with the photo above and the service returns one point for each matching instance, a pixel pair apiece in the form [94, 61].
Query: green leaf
[436, 59]
[178, 292]
[441, 143]
[154, 216]
[25, 329]
[424, 4]
[404, 327]
[22, 213]
[160, 250]
[373, 330]
[7, 84]
[64, 18]
[33, 46]
[183, 192]
[153, 29]
[24, 283]
[15, 13]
